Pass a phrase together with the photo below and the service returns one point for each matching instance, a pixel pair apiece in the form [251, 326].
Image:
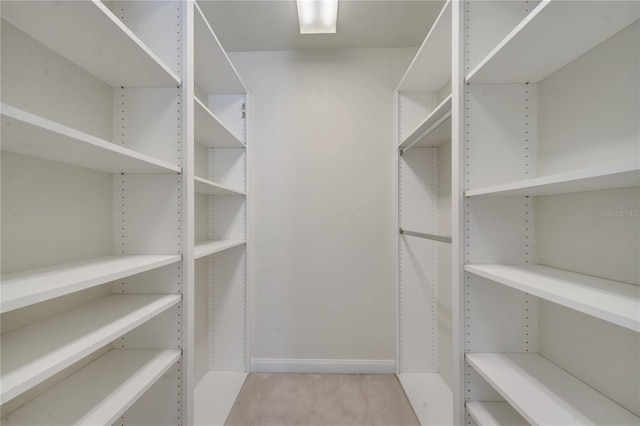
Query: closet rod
[426, 236]
[426, 132]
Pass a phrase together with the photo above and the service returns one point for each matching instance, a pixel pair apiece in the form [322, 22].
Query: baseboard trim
[325, 366]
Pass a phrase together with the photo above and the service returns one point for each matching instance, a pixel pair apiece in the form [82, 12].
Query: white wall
[322, 220]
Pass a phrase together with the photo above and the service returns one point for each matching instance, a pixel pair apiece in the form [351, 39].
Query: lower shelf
[429, 396]
[214, 396]
[495, 414]
[98, 393]
[206, 248]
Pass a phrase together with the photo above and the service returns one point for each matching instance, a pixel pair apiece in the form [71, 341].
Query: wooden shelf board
[214, 396]
[98, 393]
[426, 74]
[429, 396]
[206, 248]
[88, 34]
[612, 301]
[423, 136]
[207, 187]
[541, 44]
[28, 134]
[544, 394]
[210, 131]
[495, 414]
[623, 174]
[36, 352]
[25, 288]
[215, 73]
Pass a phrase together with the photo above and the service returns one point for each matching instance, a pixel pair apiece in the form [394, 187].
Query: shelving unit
[548, 133]
[434, 130]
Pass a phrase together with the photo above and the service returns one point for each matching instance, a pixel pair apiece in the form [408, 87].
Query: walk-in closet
[209, 204]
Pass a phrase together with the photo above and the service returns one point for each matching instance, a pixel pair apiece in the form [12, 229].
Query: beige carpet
[321, 399]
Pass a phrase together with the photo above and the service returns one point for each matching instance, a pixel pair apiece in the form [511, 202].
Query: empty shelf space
[434, 130]
[92, 37]
[544, 394]
[541, 44]
[206, 248]
[434, 237]
[623, 174]
[117, 380]
[612, 301]
[430, 397]
[214, 71]
[36, 352]
[495, 414]
[25, 288]
[29, 134]
[431, 67]
[210, 131]
[207, 187]
[214, 396]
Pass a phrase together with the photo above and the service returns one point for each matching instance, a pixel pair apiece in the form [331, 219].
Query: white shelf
[25, 288]
[214, 396]
[212, 132]
[206, 248]
[610, 176]
[544, 394]
[207, 187]
[36, 352]
[430, 397]
[28, 134]
[434, 130]
[431, 67]
[88, 34]
[214, 71]
[100, 392]
[612, 301]
[541, 44]
[495, 414]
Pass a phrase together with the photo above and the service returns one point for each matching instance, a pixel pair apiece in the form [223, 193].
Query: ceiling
[250, 25]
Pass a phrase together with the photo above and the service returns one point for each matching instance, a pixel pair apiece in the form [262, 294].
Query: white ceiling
[247, 25]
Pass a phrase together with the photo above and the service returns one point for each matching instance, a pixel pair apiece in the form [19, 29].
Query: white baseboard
[324, 366]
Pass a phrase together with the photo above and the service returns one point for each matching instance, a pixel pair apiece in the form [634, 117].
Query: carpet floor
[321, 400]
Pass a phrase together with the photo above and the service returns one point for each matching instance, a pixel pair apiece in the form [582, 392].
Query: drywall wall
[322, 219]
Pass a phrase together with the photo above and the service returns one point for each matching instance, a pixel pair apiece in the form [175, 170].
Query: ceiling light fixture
[317, 16]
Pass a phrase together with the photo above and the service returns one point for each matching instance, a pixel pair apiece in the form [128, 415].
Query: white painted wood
[214, 397]
[430, 398]
[545, 394]
[25, 288]
[210, 131]
[495, 414]
[541, 44]
[431, 67]
[434, 122]
[29, 134]
[214, 71]
[622, 174]
[231, 110]
[207, 187]
[98, 393]
[206, 248]
[323, 366]
[91, 36]
[34, 353]
[611, 301]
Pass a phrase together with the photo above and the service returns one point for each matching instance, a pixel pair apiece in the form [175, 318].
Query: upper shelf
[210, 131]
[623, 174]
[214, 72]
[117, 380]
[612, 301]
[434, 130]
[544, 394]
[88, 34]
[207, 187]
[552, 35]
[209, 247]
[431, 67]
[29, 134]
[25, 288]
